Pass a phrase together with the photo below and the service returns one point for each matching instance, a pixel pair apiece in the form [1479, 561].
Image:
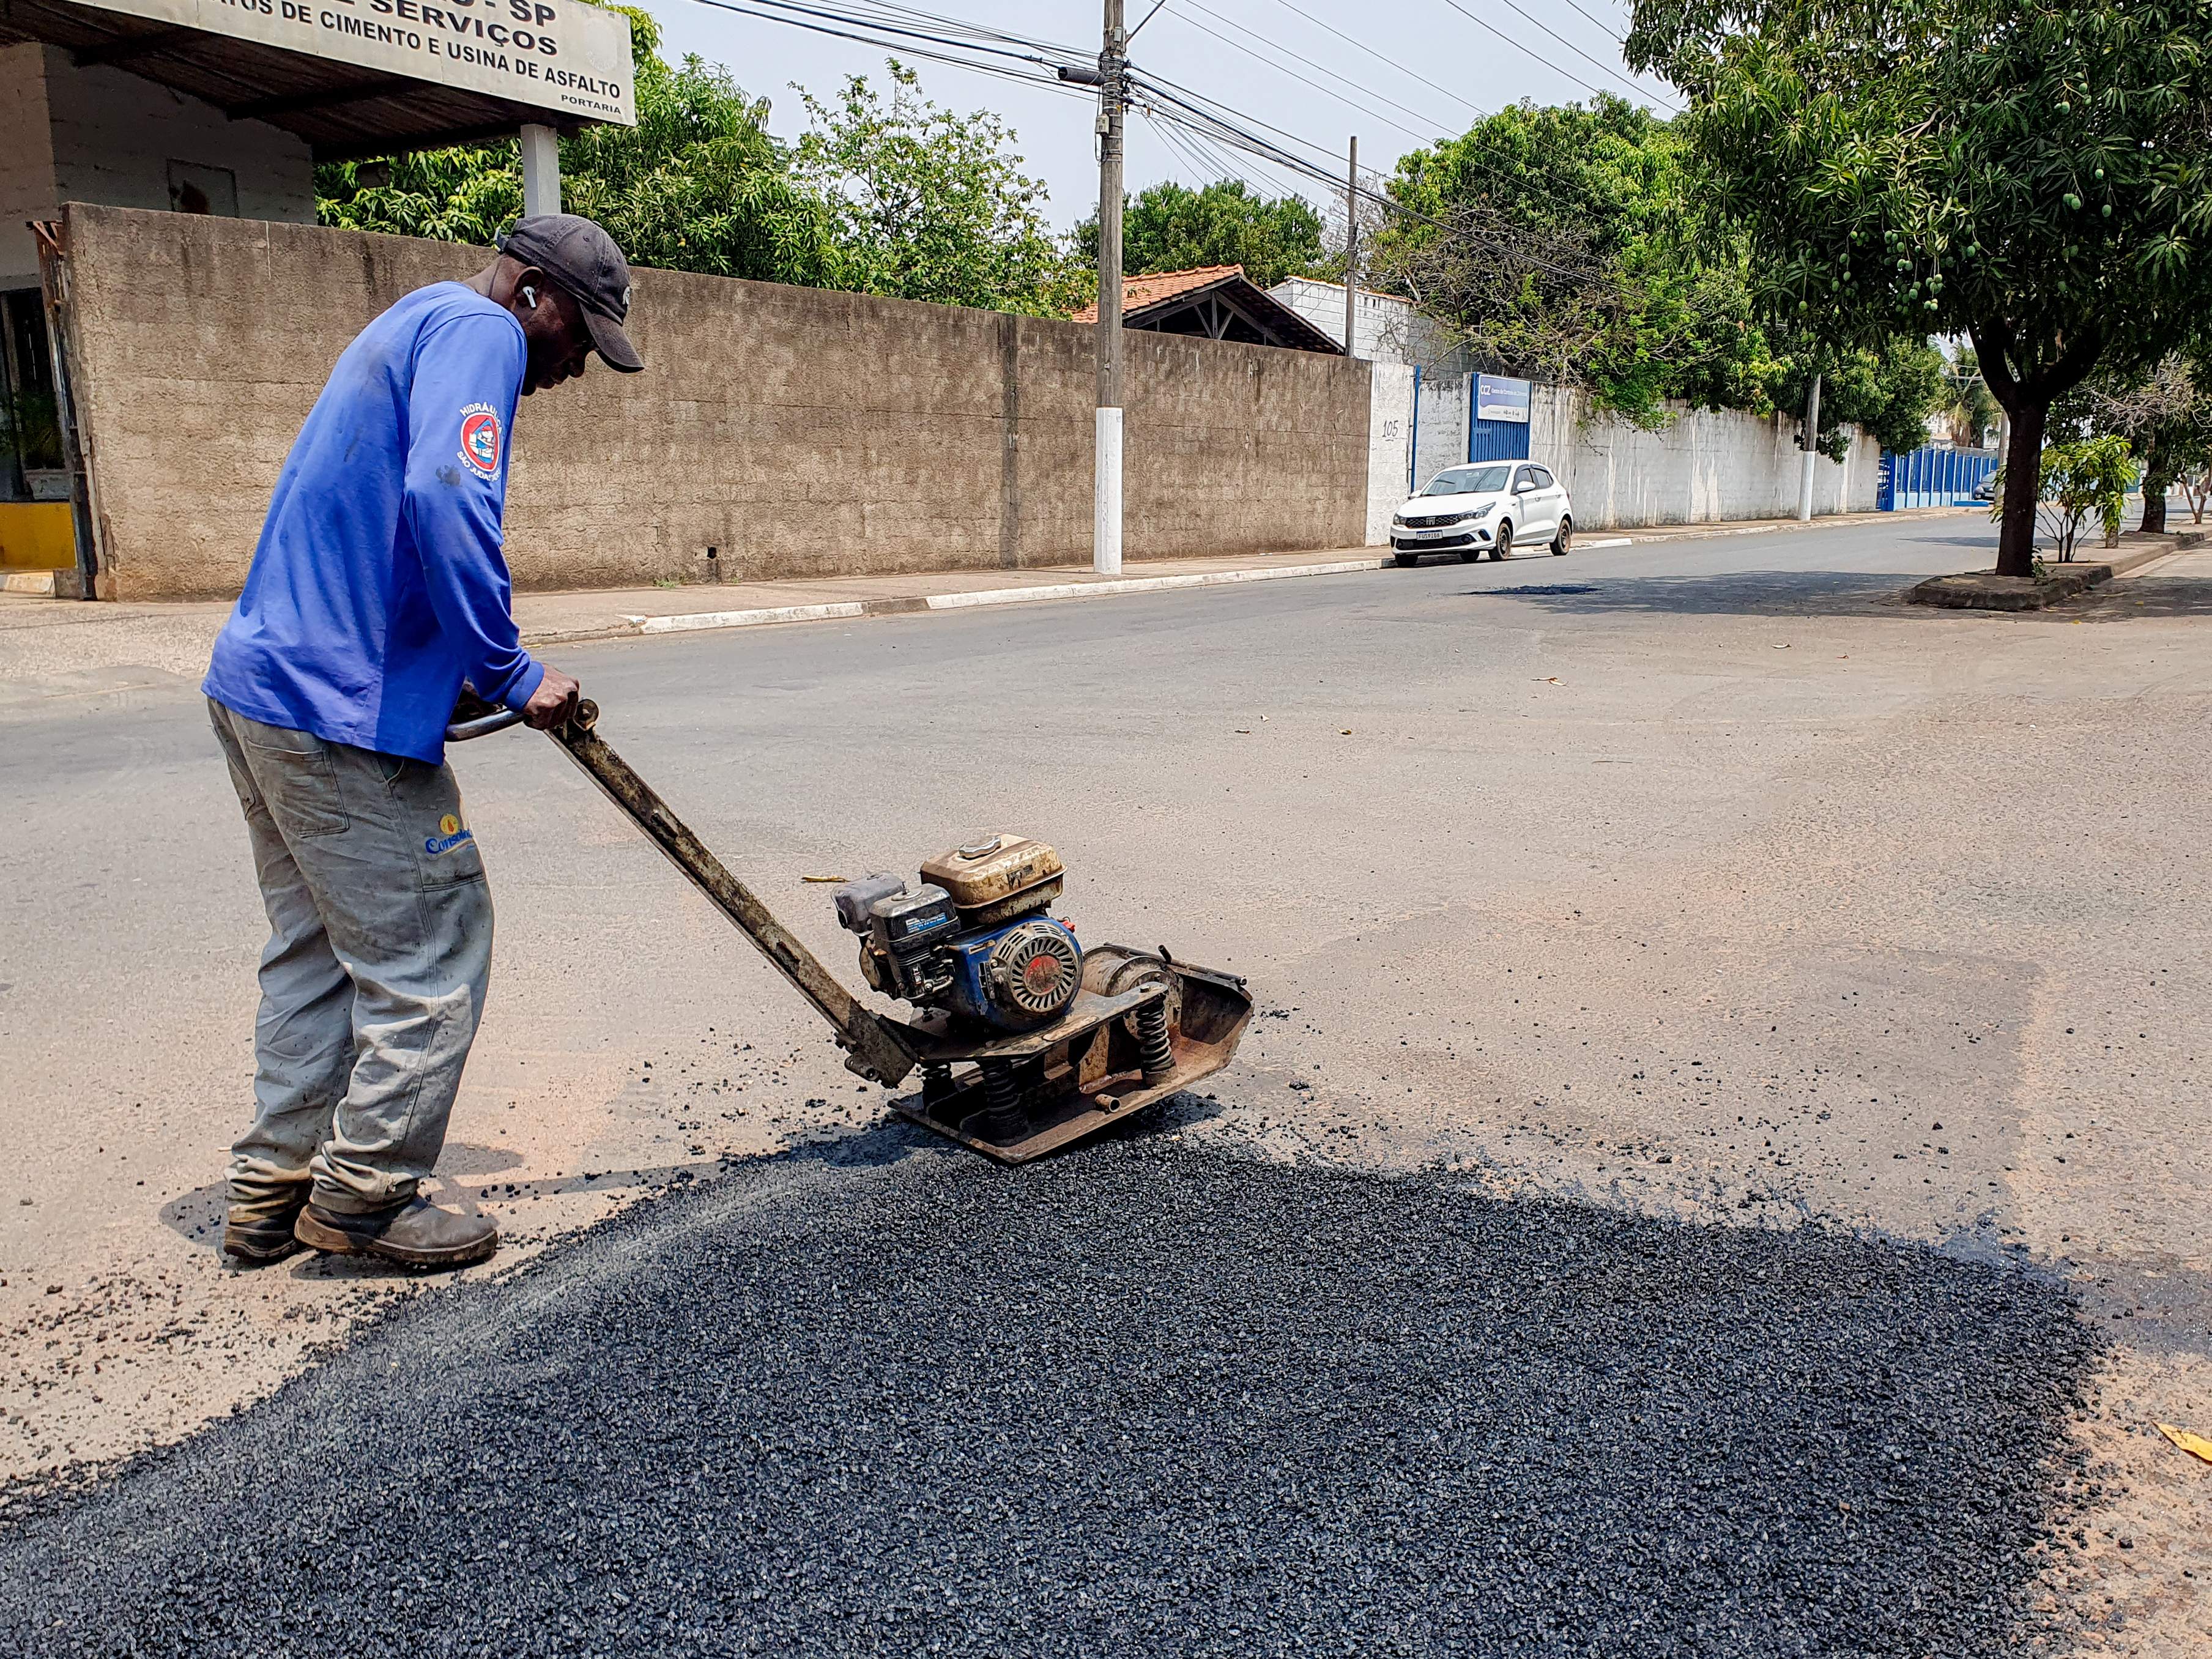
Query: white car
[1484, 506]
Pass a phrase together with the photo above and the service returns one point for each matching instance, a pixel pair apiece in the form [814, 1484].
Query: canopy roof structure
[1214, 303]
[366, 84]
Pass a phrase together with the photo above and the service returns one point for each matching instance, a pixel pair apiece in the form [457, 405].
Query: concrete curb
[1982, 589]
[769, 616]
[634, 627]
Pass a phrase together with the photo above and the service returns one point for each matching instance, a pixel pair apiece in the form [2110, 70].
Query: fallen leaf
[1244, 730]
[1781, 648]
[2194, 1445]
[1553, 680]
[823, 878]
[1345, 732]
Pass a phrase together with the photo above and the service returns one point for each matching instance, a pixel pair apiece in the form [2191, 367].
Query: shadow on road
[1149, 1398]
[2138, 598]
[1754, 593]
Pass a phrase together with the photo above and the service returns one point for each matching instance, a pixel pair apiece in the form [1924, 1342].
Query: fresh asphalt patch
[1147, 1397]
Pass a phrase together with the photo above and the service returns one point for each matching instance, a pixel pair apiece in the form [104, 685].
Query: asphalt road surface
[1697, 905]
[1141, 1399]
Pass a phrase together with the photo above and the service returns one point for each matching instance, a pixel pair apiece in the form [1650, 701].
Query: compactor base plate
[1082, 1072]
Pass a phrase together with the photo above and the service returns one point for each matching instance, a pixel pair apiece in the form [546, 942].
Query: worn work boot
[256, 1234]
[415, 1234]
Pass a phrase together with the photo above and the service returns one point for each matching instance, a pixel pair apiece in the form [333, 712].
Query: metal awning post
[541, 170]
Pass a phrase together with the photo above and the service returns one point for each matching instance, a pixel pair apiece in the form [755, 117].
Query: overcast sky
[1426, 68]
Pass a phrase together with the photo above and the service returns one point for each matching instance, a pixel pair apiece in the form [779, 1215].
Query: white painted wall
[1389, 434]
[102, 135]
[1447, 403]
[1705, 465]
[1385, 328]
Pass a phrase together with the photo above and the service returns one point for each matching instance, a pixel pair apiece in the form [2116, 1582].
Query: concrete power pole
[1106, 510]
[1350, 248]
[1812, 450]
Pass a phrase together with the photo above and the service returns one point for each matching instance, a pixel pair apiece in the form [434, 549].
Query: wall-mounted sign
[554, 54]
[1497, 399]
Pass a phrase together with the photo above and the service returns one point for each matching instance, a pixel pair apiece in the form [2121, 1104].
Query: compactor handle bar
[482, 725]
[874, 1048]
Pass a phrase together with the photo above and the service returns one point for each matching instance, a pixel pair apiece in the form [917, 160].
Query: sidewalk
[614, 613]
[43, 637]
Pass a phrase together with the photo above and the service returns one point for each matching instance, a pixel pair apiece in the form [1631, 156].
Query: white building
[1387, 329]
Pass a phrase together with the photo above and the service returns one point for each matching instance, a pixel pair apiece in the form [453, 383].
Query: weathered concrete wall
[1390, 445]
[797, 432]
[1705, 465]
[26, 160]
[100, 134]
[1444, 404]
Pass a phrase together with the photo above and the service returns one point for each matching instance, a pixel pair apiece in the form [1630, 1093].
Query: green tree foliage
[900, 198]
[926, 204]
[2072, 480]
[1568, 244]
[2039, 177]
[1172, 226]
[1966, 405]
[2164, 413]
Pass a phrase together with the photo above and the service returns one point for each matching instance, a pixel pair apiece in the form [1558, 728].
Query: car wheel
[1406, 559]
[1502, 547]
[1564, 539]
[1470, 554]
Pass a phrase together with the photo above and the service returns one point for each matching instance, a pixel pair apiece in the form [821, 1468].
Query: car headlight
[1398, 520]
[1482, 512]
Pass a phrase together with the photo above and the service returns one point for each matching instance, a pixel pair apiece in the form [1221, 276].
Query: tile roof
[1139, 291]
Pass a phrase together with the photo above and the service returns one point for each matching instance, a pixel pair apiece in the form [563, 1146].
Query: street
[1729, 1009]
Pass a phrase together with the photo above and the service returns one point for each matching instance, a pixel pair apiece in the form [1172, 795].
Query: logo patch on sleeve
[480, 438]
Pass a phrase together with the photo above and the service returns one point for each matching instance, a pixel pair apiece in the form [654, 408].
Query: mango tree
[2037, 177]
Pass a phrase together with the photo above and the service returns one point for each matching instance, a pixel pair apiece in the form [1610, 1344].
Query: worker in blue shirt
[377, 594]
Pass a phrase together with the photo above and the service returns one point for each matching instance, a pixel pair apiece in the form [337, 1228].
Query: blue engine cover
[972, 993]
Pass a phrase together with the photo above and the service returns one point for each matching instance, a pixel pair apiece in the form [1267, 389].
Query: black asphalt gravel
[1146, 1398]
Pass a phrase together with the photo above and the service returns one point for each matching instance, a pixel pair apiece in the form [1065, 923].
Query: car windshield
[1467, 481]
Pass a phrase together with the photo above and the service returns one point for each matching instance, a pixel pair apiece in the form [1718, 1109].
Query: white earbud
[529, 298]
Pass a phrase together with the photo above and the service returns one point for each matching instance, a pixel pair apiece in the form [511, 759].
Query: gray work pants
[373, 981]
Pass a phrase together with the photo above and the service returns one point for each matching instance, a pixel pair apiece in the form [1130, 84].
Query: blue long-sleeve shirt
[378, 585]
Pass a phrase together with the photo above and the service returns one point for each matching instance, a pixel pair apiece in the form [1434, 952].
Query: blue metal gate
[1497, 441]
[1934, 475]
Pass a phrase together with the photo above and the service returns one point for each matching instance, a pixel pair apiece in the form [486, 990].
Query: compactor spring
[1003, 1096]
[1154, 1049]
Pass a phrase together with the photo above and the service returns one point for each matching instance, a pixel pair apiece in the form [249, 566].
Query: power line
[1392, 61]
[1194, 5]
[1531, 51]
[1228, 40]
[906, 47]
[1218, 125]
[1602, 26]
[1603, 67]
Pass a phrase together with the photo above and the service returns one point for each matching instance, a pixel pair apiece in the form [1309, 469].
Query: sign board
[554, 54]
[1497, 399]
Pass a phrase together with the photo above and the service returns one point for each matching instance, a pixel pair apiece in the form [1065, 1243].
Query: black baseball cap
[584, 260]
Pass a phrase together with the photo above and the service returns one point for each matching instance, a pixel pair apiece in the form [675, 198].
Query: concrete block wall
[1705, 465]
[27, 161]
[99, 134]
[797, 431]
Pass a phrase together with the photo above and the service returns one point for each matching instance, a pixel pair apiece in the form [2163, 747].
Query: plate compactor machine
[1025, 1040]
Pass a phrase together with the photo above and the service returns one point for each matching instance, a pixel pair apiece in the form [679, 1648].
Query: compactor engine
[973, 938]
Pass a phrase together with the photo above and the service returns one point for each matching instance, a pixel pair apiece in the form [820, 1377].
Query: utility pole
[1812, 450]
[1350, 247]
[1106, 508]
